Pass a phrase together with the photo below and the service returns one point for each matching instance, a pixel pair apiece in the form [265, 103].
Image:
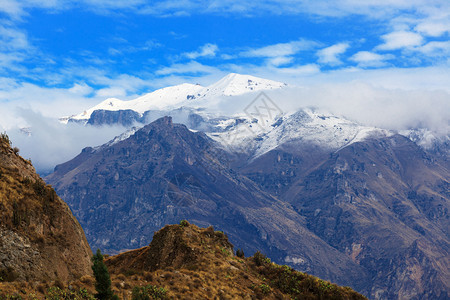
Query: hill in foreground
[40, 239]
[188, 262]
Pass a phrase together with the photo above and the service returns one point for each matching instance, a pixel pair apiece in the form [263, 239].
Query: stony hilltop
[189, 262]
[40, 239]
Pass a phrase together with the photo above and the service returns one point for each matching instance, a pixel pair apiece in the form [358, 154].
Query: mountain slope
[383, 201]
[40, 239]
[164, 173]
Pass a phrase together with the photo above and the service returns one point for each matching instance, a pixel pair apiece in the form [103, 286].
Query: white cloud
[330, 55]
[434, 28]
[279, 54]
[11, 7]
[14, 48]
[207, 50]
[436, 21]
[370, 59]
[81, 89]
[400, 39]
[280, 50]
[51, 102]
[394, 109]
[111, 92]
[12, 39]
[435, 48]
[191, 67]
[279, 60]
[299, 70]
[51, 142]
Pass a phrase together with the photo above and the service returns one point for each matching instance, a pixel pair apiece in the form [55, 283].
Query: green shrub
[240, 253]
[56, 293]
[148, 292]
[184, 223]
[260, 259]
[265, 289]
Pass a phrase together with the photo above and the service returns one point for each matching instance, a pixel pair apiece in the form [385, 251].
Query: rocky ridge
[40, 239]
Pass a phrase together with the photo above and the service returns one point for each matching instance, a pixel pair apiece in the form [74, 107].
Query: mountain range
[357, 205]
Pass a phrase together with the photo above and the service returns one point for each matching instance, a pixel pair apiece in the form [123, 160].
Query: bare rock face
[383, 201]
[40, 239]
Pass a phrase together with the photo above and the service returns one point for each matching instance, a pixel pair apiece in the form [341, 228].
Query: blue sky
[86, 50]
[59, 57]
[101, 48]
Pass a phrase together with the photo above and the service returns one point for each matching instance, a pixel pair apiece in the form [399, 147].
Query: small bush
[39, 188]
[260, 259]
[56, 293]
[148, 292]
[8, 274]
[5, 138]
[265, 289]
[184, 223]
[16, 150]
[240, 253]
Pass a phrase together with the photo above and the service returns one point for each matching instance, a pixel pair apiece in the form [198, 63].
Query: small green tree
[102, 279]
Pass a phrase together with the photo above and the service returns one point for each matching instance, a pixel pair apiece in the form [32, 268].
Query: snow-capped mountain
[183, 95]
[253, 130]
[245, 135]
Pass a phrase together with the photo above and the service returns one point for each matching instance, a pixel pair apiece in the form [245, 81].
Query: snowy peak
[236, 84]
[165, 98]
[304, 126]
[185, 94]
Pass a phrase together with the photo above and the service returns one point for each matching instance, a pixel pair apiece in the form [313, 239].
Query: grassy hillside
[187, 262]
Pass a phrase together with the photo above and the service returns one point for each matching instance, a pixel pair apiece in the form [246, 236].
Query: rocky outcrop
[121, 117]
[199, 263]
[40, 239]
